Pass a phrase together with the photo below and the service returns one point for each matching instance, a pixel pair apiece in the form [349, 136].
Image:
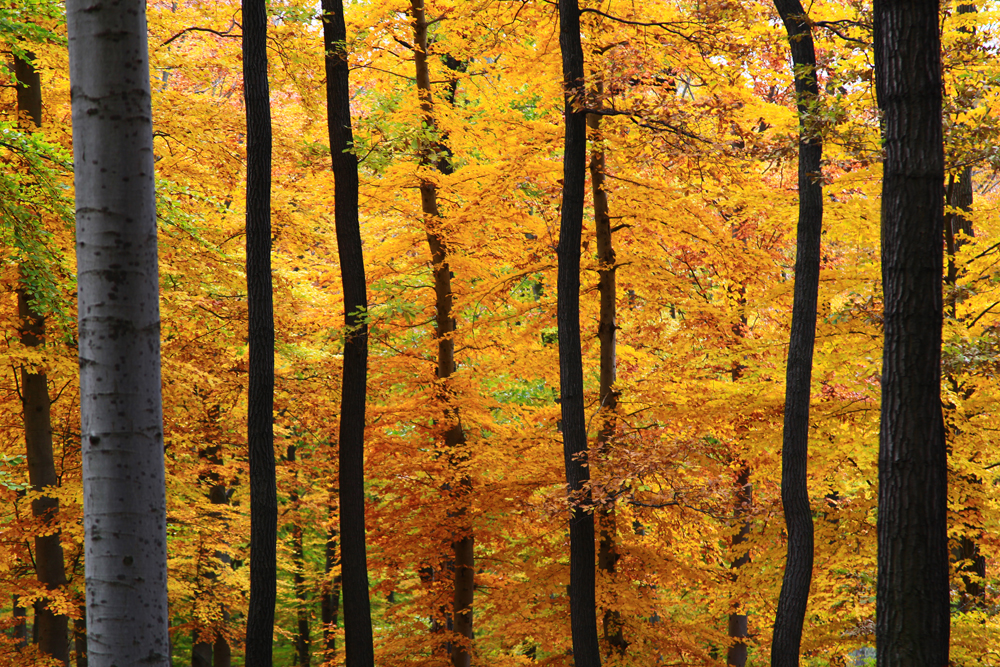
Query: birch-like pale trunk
[119, 335]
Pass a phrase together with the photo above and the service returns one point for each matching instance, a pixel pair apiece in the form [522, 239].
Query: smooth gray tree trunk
[119, 335]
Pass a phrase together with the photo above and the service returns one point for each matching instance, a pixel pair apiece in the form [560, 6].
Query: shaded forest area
[582, 317]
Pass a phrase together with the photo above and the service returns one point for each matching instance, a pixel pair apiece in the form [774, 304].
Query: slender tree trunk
[607, 333]
[119, 336]
[52, 629]
[354, 568]
[960, 196]
[583, 604]
[798, 374]
[462, 565]
[20, 615]
[260, 393]
[739, 630]
[330, 596]
[80, 639]
[912, 599]
[302, 638]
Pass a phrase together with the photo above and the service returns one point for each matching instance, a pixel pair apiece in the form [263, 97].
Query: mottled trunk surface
[119, 336]
[260, 304]
[582, 596]
[912, 598]
[798, 374]
[354, 568]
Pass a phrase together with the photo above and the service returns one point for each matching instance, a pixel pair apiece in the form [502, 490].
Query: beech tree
[260, 392]
[354, 563]
[119, 328]
[49, 563]
[912, 609]
[798, 374]
[582, 597]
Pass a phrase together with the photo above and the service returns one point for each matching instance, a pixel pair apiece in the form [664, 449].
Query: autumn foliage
[699, 133]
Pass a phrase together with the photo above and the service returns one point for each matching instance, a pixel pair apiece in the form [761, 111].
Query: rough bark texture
[798, 374]
[119, 335]
[52, 629]
[462, 563]
[912, 605]
[357, 606]
[582, 597]
[607, 334]
[260, 392]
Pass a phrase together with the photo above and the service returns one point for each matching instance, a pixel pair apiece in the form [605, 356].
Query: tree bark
[798, 374]
[582, 597]
[607, 334]
[912, 599]
[739, 629]
[53, 639]
[330, 600]
[260, 392]
[119, 335]
[354, 568]
[462, 565]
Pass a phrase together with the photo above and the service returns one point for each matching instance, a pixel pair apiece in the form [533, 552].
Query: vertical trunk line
[912, 609]
[260, 394]
[51, 628]
[607, 333]
[795, 585]
[330, 593]
[462, 565]
[358, 636]
[582, 596]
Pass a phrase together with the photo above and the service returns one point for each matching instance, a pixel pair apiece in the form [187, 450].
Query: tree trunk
[798, 374]
[260, 392]
[912, 599]
[20, 615]
[119, 336]
[582, 598]
[302, 638]
[607, 333]
[739, 630]
[354, 568]
[462, 565]
[52, 629]
[80, 639]
[330, 596]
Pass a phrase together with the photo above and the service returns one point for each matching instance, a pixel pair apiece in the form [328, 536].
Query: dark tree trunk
[798, 374]
[29, 90]
[462, 563]
[302, 637]
[80, 639]
[607, 333]
[215, 652]
[912, 600]
[357, 606]
[20, 615]
[330, 600]
[51, 629]
[582, 597]
[739, 629]
[260, 394]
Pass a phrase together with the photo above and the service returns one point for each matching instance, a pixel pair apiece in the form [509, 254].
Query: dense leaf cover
[700, 135]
